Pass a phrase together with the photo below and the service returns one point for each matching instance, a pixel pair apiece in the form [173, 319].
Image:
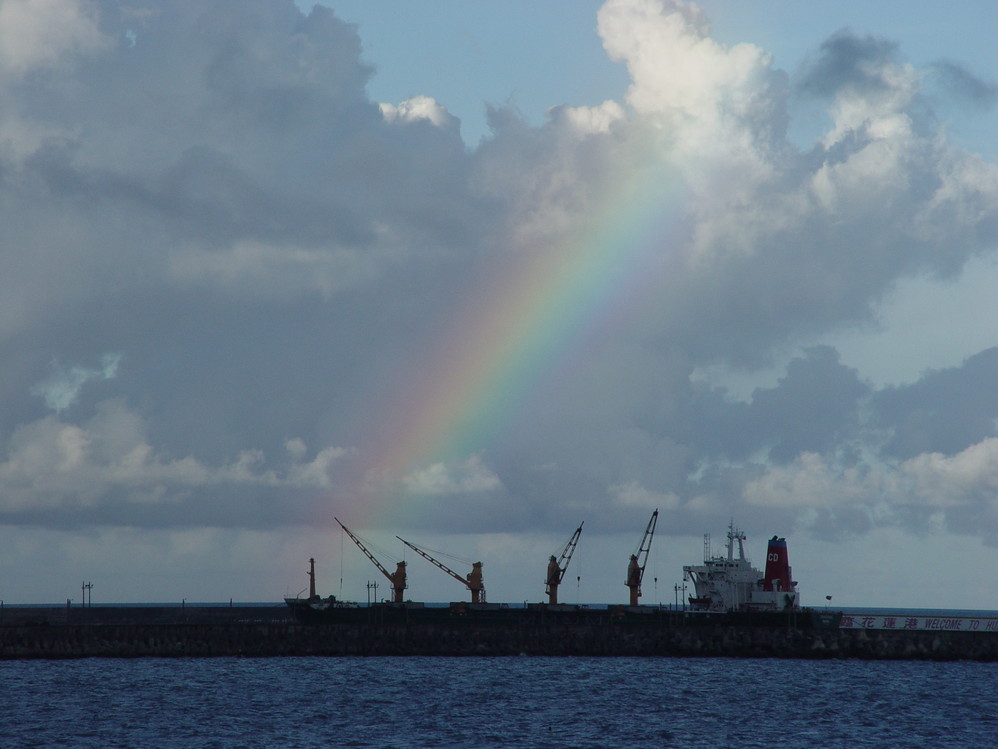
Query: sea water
[496, 702]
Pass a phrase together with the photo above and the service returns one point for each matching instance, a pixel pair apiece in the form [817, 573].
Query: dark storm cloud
[814, 408]
[849, 61]
[960, 82]
[945, 412]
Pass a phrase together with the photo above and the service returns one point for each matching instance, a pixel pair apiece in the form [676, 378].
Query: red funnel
[778, 576]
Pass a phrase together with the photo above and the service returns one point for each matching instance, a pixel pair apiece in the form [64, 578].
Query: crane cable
[578, 578]
[452, 557]
[372, 547]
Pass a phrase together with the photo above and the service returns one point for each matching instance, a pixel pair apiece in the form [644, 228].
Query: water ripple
[459, 703]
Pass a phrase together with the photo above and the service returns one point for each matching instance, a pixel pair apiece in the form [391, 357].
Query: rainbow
[519, 330]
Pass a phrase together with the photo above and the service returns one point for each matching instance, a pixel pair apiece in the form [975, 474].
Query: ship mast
[735, 535]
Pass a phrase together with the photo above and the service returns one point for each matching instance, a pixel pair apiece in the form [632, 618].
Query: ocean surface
[496, 702]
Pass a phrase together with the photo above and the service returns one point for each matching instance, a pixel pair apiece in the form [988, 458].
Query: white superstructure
[731, 583]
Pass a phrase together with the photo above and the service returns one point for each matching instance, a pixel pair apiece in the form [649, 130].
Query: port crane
[396, 578]
[473, 581]
[636, 567]
[557, 566]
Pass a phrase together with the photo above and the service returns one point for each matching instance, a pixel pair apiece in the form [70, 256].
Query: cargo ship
[728, 583]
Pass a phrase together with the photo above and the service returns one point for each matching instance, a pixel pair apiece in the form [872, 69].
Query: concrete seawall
[267, 632]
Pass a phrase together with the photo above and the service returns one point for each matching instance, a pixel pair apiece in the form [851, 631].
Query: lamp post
[680, 587]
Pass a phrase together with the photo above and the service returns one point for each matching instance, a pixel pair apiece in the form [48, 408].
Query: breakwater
[257, 632]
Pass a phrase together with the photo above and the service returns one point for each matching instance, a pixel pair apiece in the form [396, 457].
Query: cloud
[46, 34]
[677, 70]
[633, 494]
[811, 482]
[857, 65]
[793, 420]
[418, 108]
[970, 476]
[468, 476]
[943, 412]
[929, 490]
[61, 389]
[959, 82]
[719, 108]
[209, 191]
[264, 270]
[51, 464]
[588, 120]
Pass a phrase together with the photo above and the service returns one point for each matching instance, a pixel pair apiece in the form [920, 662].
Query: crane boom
[397, 579]
[557, 567]
[473, 582]
[636, 567]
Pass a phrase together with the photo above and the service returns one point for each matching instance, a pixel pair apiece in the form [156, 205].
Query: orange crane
[636, 567]
[557, 567]
[397, 578]
[473, 581]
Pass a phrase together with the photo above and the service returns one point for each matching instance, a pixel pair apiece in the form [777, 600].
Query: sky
[472, 274]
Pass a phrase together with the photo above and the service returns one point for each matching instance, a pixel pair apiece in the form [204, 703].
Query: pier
[266, 631]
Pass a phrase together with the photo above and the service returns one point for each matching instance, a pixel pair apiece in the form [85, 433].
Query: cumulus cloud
[418, 108]
[810, 482]
[712, 97]
[467, 477]
[588, 120]
[51, 464]
[284, 264]
[929, 490]
[969, 476]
